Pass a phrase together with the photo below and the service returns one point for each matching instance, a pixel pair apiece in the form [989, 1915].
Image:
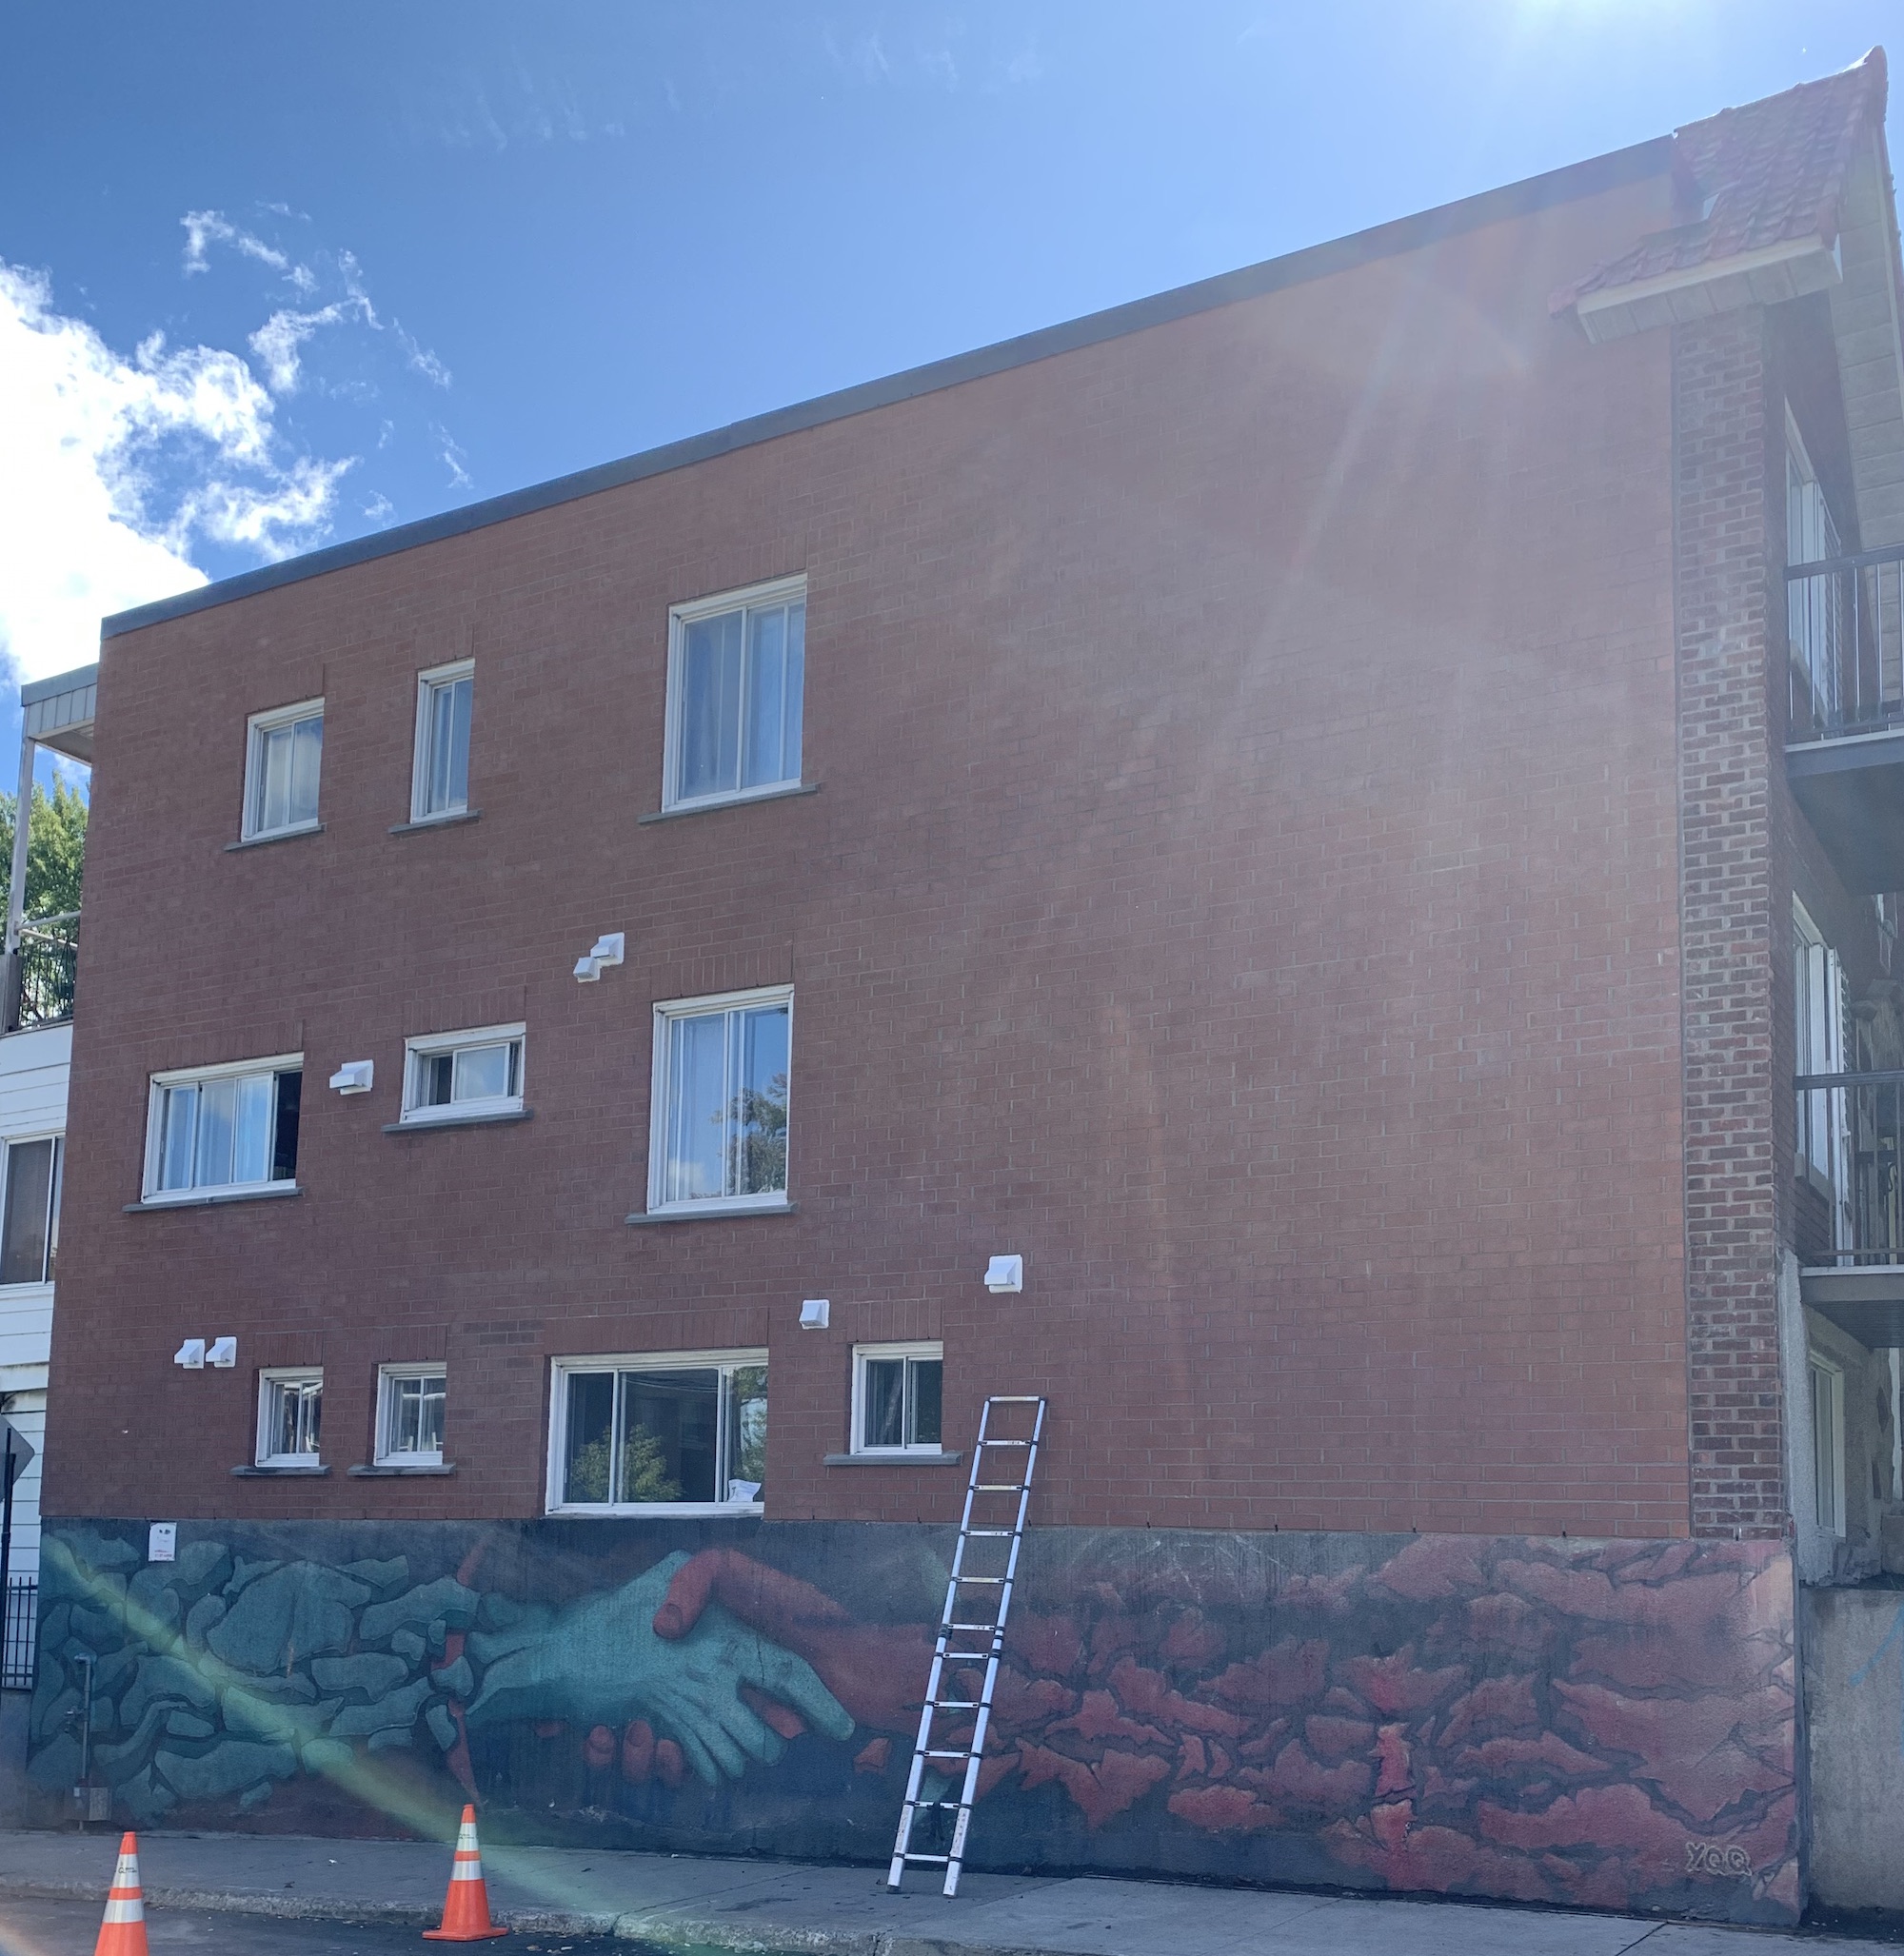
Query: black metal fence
[1845, 630]
[18, 1627]
[49, 966]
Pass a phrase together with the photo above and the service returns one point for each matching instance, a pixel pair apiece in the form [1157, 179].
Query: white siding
[34, 1069]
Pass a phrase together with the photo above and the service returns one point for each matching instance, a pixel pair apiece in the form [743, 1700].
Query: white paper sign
[162, 1544]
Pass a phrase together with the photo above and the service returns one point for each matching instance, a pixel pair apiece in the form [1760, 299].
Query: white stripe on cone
[130, 1910]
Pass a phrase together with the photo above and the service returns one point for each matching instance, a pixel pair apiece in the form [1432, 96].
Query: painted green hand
[600, 1663]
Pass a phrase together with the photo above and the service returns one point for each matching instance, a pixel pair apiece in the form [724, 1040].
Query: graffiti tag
[1712, 1857]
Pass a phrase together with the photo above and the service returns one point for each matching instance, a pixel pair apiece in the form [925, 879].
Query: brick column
[1723, 414]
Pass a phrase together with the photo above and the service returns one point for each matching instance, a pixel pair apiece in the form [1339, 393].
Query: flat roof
[1564, 185]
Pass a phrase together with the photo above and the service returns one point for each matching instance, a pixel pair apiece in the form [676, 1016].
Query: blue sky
[401, 257]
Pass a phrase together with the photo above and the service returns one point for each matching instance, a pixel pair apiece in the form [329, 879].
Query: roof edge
[1563, 185]
[33, 691]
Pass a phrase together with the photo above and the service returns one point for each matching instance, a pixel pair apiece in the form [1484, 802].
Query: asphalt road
[71, 1928]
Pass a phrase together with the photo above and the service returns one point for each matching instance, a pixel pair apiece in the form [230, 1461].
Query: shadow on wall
[1604, 1724]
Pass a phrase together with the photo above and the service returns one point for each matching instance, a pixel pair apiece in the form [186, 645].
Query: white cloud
[203, 228]
[277, 341]
[454, 455]
[421, 359]
[112, 469]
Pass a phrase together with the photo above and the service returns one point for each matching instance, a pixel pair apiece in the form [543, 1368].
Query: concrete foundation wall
[1606, 1724]
[1853, 1643]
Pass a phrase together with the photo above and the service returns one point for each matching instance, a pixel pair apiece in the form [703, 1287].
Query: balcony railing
[1845, 628]
[39, 987]
[1851, 1138]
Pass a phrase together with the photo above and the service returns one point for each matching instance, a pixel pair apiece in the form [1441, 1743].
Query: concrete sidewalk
[688, 1903]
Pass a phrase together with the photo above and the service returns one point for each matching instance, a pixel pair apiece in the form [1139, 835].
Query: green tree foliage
[644, 1474]
[55, 848]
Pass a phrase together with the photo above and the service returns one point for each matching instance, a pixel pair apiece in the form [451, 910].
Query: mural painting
[1607, 1724]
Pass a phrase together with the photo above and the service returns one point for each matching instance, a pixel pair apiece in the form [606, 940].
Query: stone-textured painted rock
[229, 1768]
[1607, 1724]
[288, 1613]
[370, 1673]
[445, 1602]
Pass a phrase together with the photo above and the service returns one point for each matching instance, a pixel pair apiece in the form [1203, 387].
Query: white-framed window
[896, 1399]
[211, 1130]
[735, 687]
[284, 755]
[1814, 624]
[463, 1075]
[676, 1432]
[1827, 1383]
[409, 1414]
[718, 1125]
[1817, 979]
[290, 1414]
[440, 781]
[29, 1218]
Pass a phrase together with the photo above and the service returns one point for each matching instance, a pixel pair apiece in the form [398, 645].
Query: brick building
[1308, 809]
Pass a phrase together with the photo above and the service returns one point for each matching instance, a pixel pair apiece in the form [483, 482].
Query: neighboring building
[1271, 805]
[36, 998]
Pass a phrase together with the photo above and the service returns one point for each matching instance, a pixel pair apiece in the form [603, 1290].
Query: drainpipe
[16, 888]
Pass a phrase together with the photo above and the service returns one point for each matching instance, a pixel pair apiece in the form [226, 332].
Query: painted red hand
[877, 1671]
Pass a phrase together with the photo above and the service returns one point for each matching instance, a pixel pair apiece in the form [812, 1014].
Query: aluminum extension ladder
[965, 1620]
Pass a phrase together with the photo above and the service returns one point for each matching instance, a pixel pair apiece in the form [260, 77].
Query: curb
[677, 1934]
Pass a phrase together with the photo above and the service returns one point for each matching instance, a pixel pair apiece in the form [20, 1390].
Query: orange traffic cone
[123, 1932]
[465, 1908]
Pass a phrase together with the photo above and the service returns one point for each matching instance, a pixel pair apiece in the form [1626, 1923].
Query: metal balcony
[1845, 742]
[1850, 1210]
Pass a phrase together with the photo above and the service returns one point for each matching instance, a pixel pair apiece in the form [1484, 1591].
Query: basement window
[896, 1399]
[409, 1414]
[290, 1411]
[223, 1130]
[679, 1433]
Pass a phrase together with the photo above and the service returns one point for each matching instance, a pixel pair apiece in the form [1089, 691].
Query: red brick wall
[1728, 422]
[1242, 881]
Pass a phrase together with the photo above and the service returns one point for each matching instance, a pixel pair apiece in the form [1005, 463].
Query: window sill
[389, 1470]
[426, 1127]
[436, 822]
[307, 828]
[276, 1192]
[728, 801]
[739, 1212]
[280, 1474]
[662, 1511]
[908, 1458]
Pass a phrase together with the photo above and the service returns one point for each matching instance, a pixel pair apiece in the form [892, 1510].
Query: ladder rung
[947, 1759]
